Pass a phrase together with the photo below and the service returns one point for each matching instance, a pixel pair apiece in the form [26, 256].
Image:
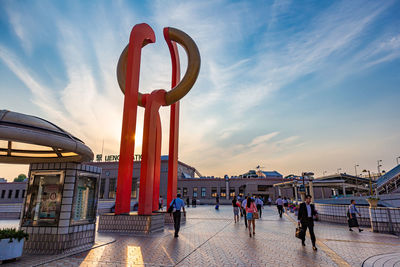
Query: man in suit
[306, 220]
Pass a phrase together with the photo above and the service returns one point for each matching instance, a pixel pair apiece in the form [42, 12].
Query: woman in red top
[251, 208]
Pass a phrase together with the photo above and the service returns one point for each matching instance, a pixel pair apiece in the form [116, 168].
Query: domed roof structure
[28, 139]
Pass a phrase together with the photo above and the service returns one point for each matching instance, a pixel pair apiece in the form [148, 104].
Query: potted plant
[11, 243]
[373, 201]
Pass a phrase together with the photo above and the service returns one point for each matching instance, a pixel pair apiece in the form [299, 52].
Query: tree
[20, 178]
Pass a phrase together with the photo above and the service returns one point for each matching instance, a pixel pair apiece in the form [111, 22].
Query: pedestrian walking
[160, 203]
[279, 205]
[177, 205]
[188, 202]
[285, 203]
[235, 205]
[306, 220]
[259, 204]
[351, 214]
[251, 208]
[244, 203]
[269, 201]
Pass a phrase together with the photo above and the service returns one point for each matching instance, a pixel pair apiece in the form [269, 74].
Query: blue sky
[290, 85]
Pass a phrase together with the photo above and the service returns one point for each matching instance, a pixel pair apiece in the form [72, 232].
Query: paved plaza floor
[211, 238]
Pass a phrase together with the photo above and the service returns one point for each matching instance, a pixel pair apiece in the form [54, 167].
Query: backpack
[171, 207]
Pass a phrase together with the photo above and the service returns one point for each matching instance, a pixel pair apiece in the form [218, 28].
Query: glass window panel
[102, 187]
[112, 188]
[26, 146]
[85, 199]
[134, 186]
[3, 144]
[232, 192]
[44, 200]
[68, 154]
[213, 191]
[34, 155]
[223, 192]
[184, 191]
[203, 192]
[194, 191]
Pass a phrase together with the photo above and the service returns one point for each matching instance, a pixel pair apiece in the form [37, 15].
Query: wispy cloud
[251, 52]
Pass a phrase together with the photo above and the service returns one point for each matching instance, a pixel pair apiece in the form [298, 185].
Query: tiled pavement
[211, 238]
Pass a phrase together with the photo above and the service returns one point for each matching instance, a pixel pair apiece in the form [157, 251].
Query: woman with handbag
[251, 209]
[351, 213]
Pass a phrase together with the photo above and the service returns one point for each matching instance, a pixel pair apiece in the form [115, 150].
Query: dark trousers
[259, 209]
[310, 225]
[177, 221]
[245, 217]
[280, 210]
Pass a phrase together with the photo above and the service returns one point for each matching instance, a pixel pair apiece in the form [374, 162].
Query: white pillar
[279, 191]
[311, 187]
[344, 190]
[227, 189]
[295, 193]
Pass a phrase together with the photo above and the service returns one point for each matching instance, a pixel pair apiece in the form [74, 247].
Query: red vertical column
[174, 122]
[141, 35]
[157, 165]
[147, 167]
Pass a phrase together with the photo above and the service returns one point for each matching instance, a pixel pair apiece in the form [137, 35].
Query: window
[102, 186]
[194, 191]
[3, 193]
[203, 192]
[232, 192]
[10, 193]
[184, 192]
[223, 192]
[133, 192]
[43, 202]
[213, 191]
[241, 191]
[23, 193]
[263, 187]
[112, 188]
[85, 200]
[16, 193]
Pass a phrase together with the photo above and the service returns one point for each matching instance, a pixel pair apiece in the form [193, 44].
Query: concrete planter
[373, 203]
[10, 250]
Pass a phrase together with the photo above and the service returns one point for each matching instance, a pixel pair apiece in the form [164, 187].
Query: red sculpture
[128, 78]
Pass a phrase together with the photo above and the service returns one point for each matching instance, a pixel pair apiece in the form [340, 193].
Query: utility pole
[379, 167]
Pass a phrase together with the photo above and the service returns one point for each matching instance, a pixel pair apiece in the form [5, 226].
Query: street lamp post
[379, 166]
[355, 168]
[370, 181]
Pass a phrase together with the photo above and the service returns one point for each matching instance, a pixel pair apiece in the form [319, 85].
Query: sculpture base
[131, 223]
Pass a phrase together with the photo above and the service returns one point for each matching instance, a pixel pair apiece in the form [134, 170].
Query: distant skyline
[292, 86]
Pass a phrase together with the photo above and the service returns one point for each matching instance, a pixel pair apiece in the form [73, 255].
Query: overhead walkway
[390, 182]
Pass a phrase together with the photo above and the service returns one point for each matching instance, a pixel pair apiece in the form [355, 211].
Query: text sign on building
[110, 158]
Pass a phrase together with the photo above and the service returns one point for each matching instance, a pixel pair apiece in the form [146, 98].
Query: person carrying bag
[251, 210]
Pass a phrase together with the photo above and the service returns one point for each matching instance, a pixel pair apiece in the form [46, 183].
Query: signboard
[111, 158]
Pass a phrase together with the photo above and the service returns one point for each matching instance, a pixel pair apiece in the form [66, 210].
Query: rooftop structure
[28, 139]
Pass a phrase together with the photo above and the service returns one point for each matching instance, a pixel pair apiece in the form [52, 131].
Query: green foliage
[20, 178]
[12, 233]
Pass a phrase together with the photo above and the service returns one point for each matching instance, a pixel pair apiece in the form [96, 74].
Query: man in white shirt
[279, 205]
[259, 204]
